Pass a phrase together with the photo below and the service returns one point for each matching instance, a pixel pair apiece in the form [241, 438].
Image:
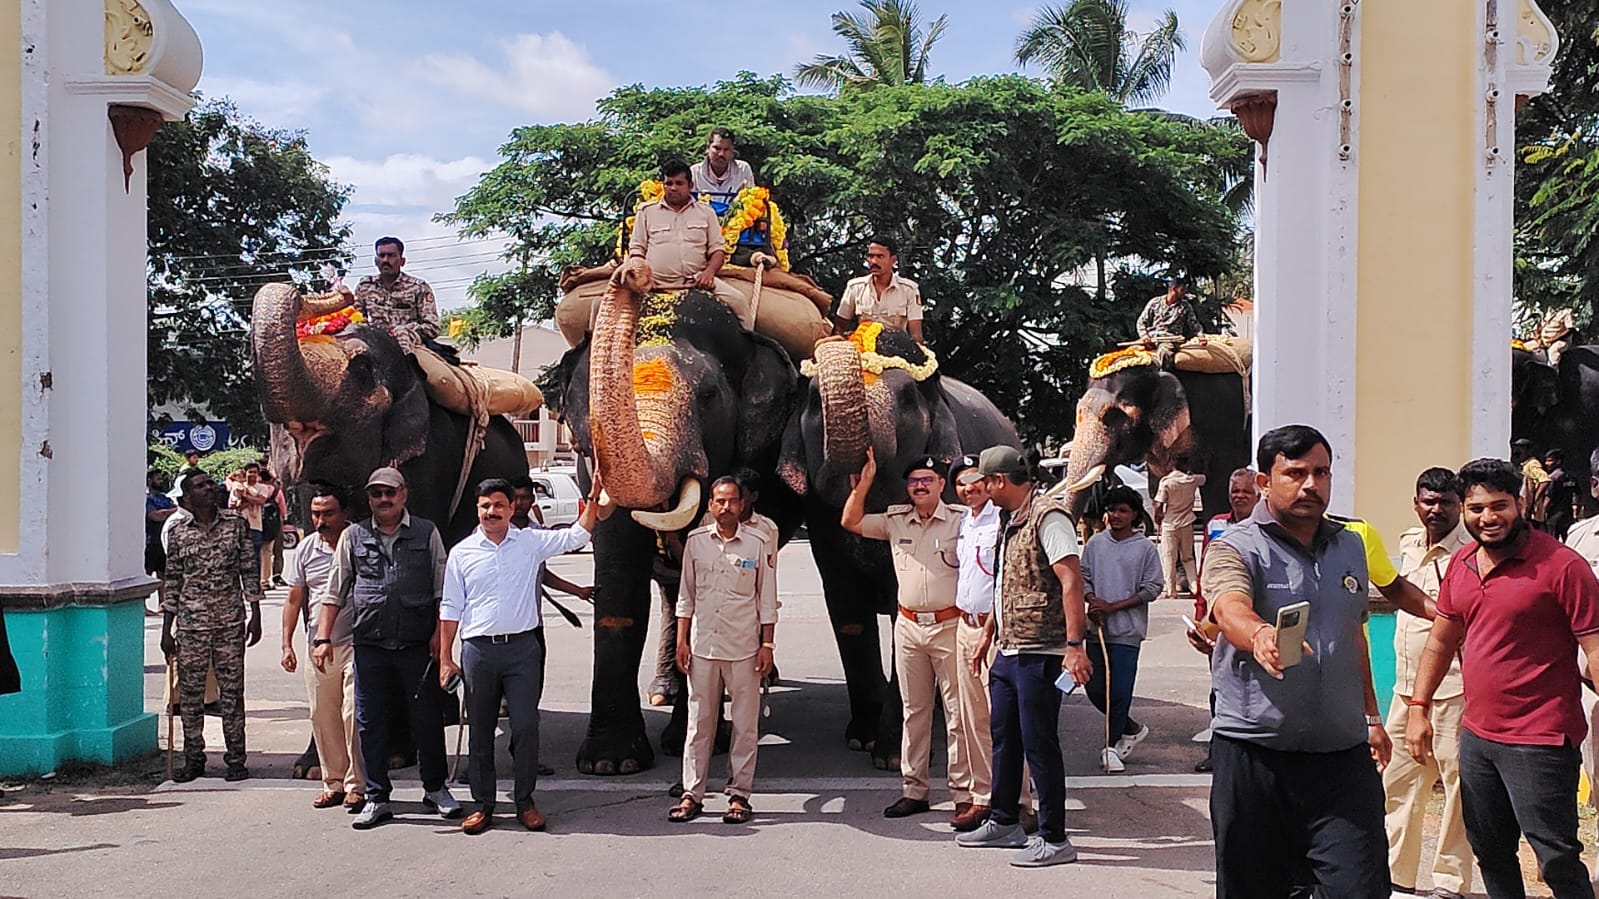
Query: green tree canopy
[1086, 44]
[1001, 192]
[888, 43]
[233, 206]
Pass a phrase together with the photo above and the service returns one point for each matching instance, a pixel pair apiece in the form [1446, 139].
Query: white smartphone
[1190, 622]
[1065, 683]
[1292, 620]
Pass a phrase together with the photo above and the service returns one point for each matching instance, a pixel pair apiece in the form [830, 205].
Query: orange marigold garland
[329, 324]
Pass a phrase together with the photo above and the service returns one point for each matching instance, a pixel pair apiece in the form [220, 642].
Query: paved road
[818, 830]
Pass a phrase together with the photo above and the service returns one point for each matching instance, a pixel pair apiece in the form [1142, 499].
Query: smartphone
[1190, 622]
[1066, 684]
[1291, 623]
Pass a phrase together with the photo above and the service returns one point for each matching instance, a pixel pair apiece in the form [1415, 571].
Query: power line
[348, 247]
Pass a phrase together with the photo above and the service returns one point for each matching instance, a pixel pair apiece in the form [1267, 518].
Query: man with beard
[1295, 787]
[1425, 554]
[921, 536]
[1520, 603]
[881, 295]
[330, 687]
[491, 601]
[399, 303]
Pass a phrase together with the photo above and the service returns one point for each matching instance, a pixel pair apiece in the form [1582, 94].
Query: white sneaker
[442, 802]
[372, 814]
[1128, 742]
[1111, 762]
[1041, 854]
[990, 835]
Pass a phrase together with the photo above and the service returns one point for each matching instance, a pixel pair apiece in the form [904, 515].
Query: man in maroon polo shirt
[1521, 603]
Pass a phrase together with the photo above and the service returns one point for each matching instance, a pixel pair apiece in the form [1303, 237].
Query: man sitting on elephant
[881, 295]
[681, 239]
[1169, 316]
[402, 304]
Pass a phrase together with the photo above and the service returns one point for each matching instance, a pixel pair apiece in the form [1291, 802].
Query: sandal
[738, 811]
[685, 811]
[328, 799]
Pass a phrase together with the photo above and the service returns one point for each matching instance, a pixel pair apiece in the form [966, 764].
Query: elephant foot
[307, 766]
[619, 754]
[860, 735]
[885, 762]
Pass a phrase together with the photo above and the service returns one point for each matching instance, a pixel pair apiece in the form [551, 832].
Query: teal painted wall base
[1381, 637]
[82, 693]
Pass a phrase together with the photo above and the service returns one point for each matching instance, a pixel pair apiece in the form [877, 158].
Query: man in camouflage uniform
[397, 301]
[1169, 315]
[212, 568]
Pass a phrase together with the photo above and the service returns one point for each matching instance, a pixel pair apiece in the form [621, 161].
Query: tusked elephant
[665, 399]
[344, 405]
[1145, 414]
[1558, 407]
[842, 412]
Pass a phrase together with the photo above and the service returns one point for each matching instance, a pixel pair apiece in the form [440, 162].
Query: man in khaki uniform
[726, 617]
[681, 239]
[1407, 784]
[922, 536]
[396, 301]
[882, 295]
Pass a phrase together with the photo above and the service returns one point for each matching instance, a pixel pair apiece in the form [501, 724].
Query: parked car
[560, 500]
[1136, 478]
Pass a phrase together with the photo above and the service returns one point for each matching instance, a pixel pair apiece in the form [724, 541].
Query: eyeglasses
[923, 481]
[381, 492]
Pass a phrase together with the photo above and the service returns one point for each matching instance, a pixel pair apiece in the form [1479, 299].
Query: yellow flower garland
[1116, 360]
[873, 363]
[751, 204]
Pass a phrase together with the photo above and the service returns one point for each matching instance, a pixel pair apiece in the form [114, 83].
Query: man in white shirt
[491, 602]
[720, 175]
[974, 596]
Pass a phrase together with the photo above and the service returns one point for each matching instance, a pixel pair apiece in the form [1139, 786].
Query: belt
[978, 620]
[928, 619]
[504, 638]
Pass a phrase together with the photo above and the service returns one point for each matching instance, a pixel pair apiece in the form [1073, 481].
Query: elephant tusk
[1088, 479]
[681, 515]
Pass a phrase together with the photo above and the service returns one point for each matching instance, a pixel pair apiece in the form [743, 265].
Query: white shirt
[494, 589]
[724, 189]
[173, 520]
[310, 565]
[974, 550]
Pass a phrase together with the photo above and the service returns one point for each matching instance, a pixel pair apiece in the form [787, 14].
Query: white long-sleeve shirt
[494, 589]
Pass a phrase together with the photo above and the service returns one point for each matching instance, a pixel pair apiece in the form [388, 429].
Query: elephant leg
[891, 724]
[616, 742]
[668, 682]
[308, 766]
[855, 632]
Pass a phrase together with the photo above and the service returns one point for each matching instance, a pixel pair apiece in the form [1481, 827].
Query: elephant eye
[1114, 417]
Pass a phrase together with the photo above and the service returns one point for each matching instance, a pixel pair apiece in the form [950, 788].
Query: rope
[478, 402]
[1104, 655]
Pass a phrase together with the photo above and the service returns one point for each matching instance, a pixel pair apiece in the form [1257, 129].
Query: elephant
[664, 398]
[1558, 407]
[341, 406]
[843, 411]
[1145, 413]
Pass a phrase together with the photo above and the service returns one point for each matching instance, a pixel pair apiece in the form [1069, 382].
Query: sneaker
[1041, 854]
[1111, 762]
[372, 814]
[991, 835]
[442, 802]
[1129, 742]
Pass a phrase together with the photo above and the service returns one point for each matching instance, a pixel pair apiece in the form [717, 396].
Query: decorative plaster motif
[129, 34]
[1257, 30]
[1257, 114]
[1535, 35]
[134, 127]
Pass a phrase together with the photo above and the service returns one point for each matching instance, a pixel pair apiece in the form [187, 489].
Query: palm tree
[886, 46]
[1086, 44]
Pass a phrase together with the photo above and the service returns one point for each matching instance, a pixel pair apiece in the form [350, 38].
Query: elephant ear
[405, 426]
[767, 393]
[943, 439]
[791, 469]
[1169, 424]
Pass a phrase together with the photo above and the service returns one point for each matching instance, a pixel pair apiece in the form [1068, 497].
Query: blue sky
[408, 101]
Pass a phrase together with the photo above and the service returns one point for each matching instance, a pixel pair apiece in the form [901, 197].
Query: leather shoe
[531, 818]
[970, 819]
[960, 809]
[905, 807]
[477, 822]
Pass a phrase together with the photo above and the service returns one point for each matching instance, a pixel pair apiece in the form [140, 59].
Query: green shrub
[218, 465]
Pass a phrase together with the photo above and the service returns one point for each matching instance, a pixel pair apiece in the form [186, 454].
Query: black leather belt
[504, 638]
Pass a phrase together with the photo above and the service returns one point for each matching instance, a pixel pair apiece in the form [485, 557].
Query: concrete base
[82, 693]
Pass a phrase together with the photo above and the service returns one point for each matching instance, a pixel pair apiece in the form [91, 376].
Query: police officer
[390, 570]
[922, 536]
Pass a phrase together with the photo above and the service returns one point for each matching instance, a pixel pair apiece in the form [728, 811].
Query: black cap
[1004, 460]
[931, 463]
[961, 464]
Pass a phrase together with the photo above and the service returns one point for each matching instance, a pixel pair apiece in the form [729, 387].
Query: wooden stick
[172, 695]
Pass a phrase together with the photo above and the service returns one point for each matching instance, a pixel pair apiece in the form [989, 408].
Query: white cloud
[546, 75]
[408, 179]
[277, 104]
[433, 252]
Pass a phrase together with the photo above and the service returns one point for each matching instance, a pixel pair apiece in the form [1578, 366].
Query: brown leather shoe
[905, 806]
[970, 819]
[477, 822]
[327, 799]
[960, 809]
[531, 818]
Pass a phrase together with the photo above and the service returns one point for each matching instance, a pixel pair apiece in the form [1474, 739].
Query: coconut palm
[1086, 44]
[887, 45]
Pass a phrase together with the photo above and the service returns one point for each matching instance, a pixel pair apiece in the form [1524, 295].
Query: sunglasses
[923, 481]
[381, 492]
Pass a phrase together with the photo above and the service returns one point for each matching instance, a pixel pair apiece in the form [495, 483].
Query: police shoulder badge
[1351, 583]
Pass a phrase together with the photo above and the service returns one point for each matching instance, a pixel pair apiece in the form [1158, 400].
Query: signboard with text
[204, 437]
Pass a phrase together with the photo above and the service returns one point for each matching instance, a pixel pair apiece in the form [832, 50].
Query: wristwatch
[319, 641]
[1074, 643]
[1373, 720]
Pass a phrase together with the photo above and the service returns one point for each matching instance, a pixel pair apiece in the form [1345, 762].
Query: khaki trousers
[1407, 786]
[707, 678]
[926, 660]
[977, 744]
[338, 744]
[1177, 547]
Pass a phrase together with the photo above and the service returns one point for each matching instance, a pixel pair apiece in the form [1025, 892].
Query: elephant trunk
[1090, 450]
[637, 406]
[289, 392]
[845, 435]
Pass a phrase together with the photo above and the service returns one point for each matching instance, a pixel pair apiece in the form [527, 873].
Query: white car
[560, 500]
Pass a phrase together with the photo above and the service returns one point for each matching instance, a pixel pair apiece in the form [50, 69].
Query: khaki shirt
[678, 244]
[925, 559]
[899, 304]
[406, 308]
[1423, 566]
[729, 590]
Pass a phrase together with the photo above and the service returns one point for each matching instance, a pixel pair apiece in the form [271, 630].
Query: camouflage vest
[1032, 616]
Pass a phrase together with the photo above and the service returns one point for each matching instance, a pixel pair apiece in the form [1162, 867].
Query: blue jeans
[387, 680]
[1123, 673]
[1507, 790]
[1024, 721]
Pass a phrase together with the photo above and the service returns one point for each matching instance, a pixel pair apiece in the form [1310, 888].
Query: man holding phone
[1295, 785]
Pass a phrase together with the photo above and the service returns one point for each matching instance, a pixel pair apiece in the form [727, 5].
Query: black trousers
[514, 670]
[1507, 790]
[1286, 820]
